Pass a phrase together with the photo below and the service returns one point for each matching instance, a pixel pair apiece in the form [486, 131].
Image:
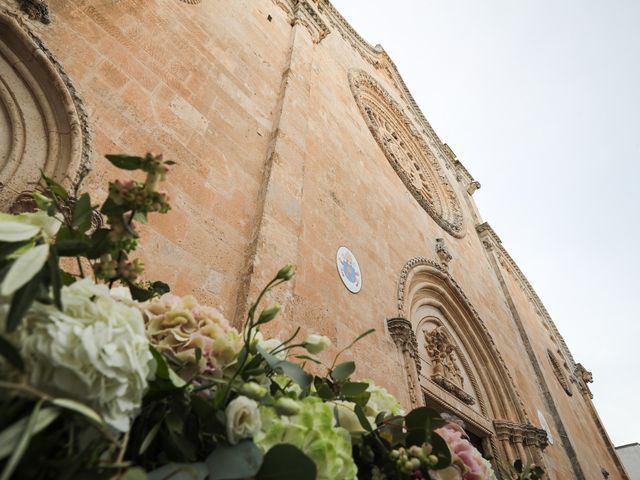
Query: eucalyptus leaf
[180, 471]
[286, 462]
[13, 231]
[351, 389]
[11, 435]
[164, 372]
[441, 451]
[55, 187]
[292, 370]
[24, 268]
[234, 462]
[343, 371]
[362, 418]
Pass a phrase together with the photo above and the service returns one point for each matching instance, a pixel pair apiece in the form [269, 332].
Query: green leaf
[22, 444]
[351, 389]
[164, 372]
[55, 277]
[286, 462]
[82, 213]
[12, 231]
[21, 302]
[362, 418]
[11, 435]
[126, 162]
[11, 353]
[135, 473]
[12, 248]
[292, 370]
[148, 439]
[343, 371]
[80, 408]
[420, 422]
[24, 268]
[55, 187]
[441, 451]
[234, 462]
[180, 471]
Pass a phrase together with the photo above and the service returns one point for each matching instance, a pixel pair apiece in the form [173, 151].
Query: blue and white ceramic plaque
[349, 269]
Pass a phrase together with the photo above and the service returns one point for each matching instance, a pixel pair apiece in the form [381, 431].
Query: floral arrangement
[105, 376]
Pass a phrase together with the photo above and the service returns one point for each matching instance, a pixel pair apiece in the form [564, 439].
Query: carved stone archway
[500, 413]
[43, 124]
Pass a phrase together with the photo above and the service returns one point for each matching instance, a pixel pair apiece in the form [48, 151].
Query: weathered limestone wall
[277, 164]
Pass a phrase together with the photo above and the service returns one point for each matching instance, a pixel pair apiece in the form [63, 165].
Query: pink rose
[465, 456]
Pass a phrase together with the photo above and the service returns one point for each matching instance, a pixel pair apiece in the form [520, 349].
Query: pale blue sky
[541, 102]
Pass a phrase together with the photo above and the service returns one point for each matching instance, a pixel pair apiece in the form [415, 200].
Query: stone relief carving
[407, 152]
[584, 377]
[43, 124]
[36, 10]
[521, 433]
[446, 372]
[443, 253]
[559, 373]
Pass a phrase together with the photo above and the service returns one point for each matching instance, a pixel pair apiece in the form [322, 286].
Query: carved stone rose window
[407, 152]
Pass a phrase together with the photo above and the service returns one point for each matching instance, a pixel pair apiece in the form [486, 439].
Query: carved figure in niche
[441, 351]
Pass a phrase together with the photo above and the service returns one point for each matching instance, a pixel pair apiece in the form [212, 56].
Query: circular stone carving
[42, 125]
[407, 152]
[349, 269]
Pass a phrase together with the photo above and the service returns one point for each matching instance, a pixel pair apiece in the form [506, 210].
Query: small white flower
[272, 344]
[316, 343]
[243, 419]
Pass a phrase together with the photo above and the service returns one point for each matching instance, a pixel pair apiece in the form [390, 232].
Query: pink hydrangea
[467, 463]
[179, 325]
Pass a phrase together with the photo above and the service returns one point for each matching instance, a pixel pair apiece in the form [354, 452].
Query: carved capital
[473, 186]
[518, 433]
[404, 337]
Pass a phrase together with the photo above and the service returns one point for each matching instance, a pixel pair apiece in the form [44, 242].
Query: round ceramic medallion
[349, 269]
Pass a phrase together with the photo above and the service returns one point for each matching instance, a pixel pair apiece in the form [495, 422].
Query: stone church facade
[294, 137]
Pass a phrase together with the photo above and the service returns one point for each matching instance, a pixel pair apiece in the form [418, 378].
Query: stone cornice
[380, 60]
[492, 242]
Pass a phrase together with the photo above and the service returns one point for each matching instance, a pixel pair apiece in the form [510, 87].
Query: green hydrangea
[313, 431]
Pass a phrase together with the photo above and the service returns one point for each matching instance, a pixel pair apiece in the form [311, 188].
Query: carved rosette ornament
[407, 152]
[405, 339]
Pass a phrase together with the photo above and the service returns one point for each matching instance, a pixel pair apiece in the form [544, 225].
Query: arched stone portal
[43, 125]
[453, 364]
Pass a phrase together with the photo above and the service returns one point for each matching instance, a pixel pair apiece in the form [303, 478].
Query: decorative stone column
[405, 339]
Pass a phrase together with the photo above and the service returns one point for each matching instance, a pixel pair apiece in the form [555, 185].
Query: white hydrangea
[94, 351]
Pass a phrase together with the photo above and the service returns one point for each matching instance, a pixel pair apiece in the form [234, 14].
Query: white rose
[243, 419]
[94, 351]
[316, 343]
